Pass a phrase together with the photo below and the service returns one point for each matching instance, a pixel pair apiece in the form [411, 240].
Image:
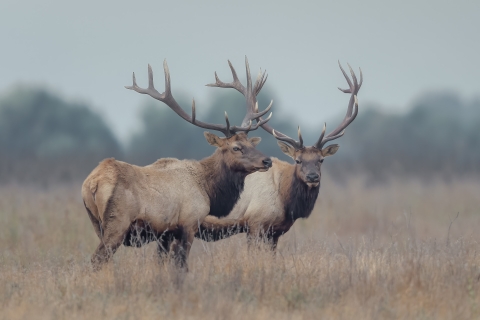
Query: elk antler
[249, 93]
[167, 98]
[351, 112]
[296, 144]
[339, 131]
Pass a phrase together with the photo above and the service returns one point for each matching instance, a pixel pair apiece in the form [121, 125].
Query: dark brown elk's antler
[167, 98]
[252, 104]
[352, 109]
[248, 92]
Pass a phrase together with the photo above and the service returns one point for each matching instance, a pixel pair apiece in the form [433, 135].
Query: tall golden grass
[392, 251]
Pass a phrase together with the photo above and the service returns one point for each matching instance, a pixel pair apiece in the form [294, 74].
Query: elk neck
[222, 184]
[299, 198]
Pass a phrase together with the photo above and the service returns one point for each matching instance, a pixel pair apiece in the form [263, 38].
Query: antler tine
[281, 136]
[356, 86]
[332, 138]
[334, 134]
[260, 81]
[300, 139]
[296, 144]
[235, 84]
[361, 79]
[227, 121]
[151, 91]
[234, 73]
[193, 111]
[249, 77]
[346, 78]
[263, 82]
[260, 123]
[257, 114]
[323, 132]
[354, 78]
[255, 127]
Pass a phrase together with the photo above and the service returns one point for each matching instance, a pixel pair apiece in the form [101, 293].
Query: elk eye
[236, 149]
[321, 160]
[298, 161]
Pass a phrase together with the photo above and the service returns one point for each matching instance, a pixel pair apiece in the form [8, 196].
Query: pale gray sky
[88, 49]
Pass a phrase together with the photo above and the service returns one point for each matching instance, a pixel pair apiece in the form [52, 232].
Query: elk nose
[312, 177]
[267, 162]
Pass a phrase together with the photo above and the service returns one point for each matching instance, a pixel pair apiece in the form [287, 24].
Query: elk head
[236, 149]
[240, 153]
[308, 160]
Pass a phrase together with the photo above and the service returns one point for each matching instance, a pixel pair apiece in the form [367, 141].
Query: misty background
[63, 107]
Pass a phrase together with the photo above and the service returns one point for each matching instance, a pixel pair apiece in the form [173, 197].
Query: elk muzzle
[267, 164]
[313, 179]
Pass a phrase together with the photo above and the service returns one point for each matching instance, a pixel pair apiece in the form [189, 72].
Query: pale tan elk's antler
[352, 109]
[167, 98]
[339, 131]
[249, 93]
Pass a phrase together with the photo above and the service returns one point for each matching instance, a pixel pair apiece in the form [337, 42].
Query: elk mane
[223, 187]
[300, 200]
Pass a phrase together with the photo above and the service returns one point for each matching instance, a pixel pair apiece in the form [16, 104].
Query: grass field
[394, 251]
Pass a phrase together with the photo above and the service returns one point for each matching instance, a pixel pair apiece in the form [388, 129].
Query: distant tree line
[45, 139]
[438, 138]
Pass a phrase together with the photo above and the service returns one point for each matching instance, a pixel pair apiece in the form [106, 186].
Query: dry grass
[365, 253]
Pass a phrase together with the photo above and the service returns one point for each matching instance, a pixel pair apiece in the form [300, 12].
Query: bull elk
[167, 200]
[272, 201]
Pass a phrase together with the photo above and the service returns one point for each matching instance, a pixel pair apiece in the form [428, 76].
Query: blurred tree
[43, 137]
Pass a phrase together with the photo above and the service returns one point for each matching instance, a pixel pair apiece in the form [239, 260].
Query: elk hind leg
[163, 246]
[95, 222]
[113, 236]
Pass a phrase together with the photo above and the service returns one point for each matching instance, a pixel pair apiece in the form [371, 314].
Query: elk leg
[253, 237]
[112, 238]
[95, 222]
[163, 246]
[271, 240]
[180, 248]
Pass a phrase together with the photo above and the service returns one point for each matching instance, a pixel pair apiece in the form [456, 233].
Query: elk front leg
[253, 237]
[271, 241]
[180, 247]
[257, 237]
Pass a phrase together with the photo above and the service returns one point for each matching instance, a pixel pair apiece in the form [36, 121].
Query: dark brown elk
[167, 200]
[272, 201]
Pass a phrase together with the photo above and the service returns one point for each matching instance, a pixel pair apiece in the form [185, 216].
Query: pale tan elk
[168, 200]
[272, 201]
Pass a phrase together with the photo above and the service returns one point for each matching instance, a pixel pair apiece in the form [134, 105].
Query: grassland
[392, 251]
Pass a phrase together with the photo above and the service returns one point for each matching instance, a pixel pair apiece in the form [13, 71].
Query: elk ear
[255, 141]
[213, 139]
[330, 150]
[287, 149]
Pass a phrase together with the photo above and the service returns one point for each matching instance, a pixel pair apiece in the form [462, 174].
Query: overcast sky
[88, 49]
